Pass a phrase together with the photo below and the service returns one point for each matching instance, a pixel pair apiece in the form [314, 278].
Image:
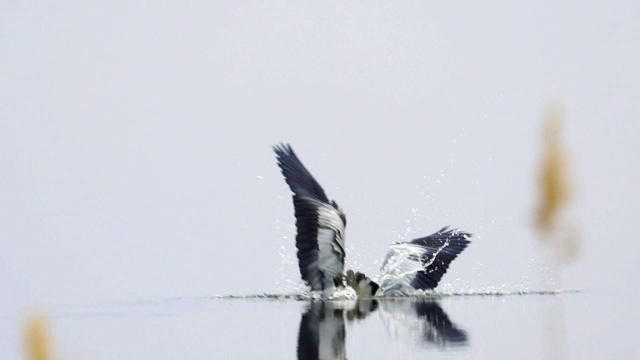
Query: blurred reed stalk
[556, 190]
[554, 229]
[38, 338]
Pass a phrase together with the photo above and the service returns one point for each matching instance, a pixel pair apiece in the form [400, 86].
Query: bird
[413, 265]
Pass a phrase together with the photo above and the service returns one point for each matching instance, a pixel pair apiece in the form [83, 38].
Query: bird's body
[415, 265]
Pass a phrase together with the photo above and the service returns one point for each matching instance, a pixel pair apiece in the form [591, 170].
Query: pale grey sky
[135, 139]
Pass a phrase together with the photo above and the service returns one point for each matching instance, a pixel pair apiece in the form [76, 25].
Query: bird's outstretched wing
[320, 224]
[420, 264]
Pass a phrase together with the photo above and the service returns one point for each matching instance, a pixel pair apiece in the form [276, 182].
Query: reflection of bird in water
[414, 265]
[322, 332]
[420, 322]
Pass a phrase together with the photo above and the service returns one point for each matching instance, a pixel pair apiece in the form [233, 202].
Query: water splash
[418, 294]
[286, 282]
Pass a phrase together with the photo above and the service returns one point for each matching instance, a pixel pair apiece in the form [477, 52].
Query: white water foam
[428, 294]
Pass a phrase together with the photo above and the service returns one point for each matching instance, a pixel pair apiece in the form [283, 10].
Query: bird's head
[364, 287]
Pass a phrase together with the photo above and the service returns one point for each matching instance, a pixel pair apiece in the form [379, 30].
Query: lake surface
[576, 324]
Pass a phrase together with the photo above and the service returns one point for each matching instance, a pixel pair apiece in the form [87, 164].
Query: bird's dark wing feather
[297, 176]
[441, 249]
[320, 223]
[420, 264]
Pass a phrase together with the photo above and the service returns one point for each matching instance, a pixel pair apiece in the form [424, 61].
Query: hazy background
[135, 139]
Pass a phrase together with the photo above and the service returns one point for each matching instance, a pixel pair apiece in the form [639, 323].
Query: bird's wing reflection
[322, 332]
[322, 327]
[420, 322]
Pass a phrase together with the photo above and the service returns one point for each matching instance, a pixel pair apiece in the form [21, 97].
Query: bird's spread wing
[320, 224]
[420, 264]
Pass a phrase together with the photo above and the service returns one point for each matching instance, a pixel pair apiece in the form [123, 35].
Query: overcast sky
[135, 139]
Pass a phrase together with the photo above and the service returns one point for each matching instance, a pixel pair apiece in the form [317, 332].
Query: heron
[413, 265]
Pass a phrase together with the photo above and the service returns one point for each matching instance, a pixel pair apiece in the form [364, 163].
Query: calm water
[583, 324]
